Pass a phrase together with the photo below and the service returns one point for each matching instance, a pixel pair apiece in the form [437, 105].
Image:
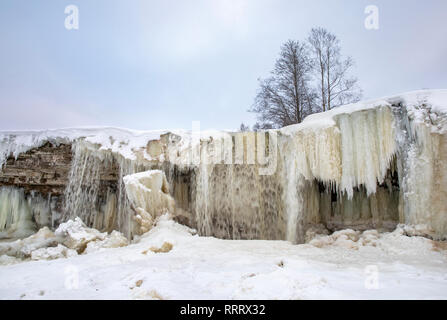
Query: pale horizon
[144, 65]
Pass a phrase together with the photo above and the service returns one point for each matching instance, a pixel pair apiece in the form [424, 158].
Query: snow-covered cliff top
[436, 100]
[124, 141]
[116, 139]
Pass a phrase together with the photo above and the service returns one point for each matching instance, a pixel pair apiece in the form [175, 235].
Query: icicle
[367, 147]
[203, 214]
[422, 173]
[81, 193]
[15, 214]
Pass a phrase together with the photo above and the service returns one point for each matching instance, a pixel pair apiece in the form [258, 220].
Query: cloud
[191, 31]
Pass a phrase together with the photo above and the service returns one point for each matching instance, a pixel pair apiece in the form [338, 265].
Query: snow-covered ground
[170, 262]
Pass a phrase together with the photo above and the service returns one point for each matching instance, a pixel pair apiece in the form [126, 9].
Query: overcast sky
[163, 64]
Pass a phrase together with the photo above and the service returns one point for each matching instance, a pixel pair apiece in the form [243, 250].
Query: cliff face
[38, 180]
[43, 170]
[227, 201]
[362, 166]
[46, 169]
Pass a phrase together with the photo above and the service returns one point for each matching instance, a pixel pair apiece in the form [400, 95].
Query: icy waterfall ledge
[369, 165]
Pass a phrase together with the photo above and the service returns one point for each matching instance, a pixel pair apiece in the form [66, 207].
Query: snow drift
[346, 265]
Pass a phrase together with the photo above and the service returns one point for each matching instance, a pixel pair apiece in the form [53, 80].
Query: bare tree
[261, 126]
[286, 97]
[244, 128]
[335, 86]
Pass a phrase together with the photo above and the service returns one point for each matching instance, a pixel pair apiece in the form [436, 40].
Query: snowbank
[397, 267]
[436, 100]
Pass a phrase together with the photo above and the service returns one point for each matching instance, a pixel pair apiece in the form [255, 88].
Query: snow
[436, 99]
[77, 235]
[113, 240]
[347, 238]
[150, 180]
[23, 248]
[69, 239]
[396, 267]
[119, 140]
[125, 142]
[51, 253]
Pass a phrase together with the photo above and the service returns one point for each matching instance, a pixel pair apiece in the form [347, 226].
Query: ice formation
[69, 239]
[369, 165]
[82, 194]
[347, 238]
[23, 248]
[148, 192]
[16, 214]
[77, 235]
[342, 150]
[114, 240]
[52, 253]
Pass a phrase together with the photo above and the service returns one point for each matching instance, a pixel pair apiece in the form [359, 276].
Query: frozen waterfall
[370, 165]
